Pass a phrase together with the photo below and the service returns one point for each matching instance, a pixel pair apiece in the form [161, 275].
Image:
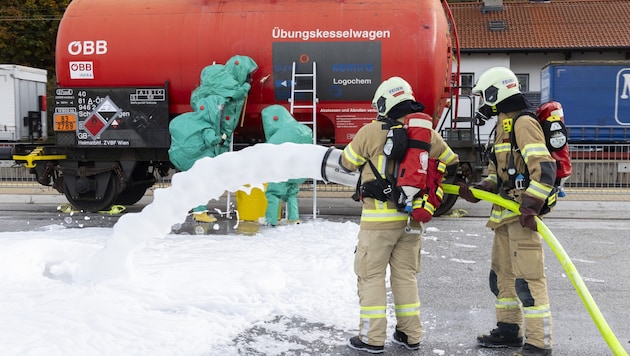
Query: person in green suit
[196, 134]
[232, 82]
[217, 104]
[280, 127]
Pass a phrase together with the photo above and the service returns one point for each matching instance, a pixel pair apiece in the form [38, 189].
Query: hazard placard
[65, 122]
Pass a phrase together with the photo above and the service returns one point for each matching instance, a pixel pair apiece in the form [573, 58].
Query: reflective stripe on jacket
[533, 157]
[367, 144]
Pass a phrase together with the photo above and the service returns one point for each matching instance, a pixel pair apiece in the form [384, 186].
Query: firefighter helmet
[391, 92]
[495, 85]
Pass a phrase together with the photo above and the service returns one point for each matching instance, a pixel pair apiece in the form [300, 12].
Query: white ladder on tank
[307, 87]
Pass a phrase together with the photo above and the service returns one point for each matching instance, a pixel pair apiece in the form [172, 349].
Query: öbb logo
[87, 48]
[81, 66]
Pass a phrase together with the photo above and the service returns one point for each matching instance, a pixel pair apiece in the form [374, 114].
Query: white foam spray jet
[208, 179]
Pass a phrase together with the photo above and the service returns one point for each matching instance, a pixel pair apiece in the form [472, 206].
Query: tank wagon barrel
[126, 68]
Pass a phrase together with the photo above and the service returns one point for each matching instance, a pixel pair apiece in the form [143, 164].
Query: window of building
[466, 81]
[523, 80]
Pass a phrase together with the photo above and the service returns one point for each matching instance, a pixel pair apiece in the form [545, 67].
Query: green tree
[28, 29]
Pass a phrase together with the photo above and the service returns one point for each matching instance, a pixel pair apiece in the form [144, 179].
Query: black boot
[505, 335]
[531, 350]
[356, 343]
[400, 338]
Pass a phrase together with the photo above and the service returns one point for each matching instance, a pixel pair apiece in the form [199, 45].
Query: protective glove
[530, 208]
[421, 215]
[465, 193]
[485, 185]
[464, 190]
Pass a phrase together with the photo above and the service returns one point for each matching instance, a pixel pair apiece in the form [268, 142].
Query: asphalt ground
[456, 302]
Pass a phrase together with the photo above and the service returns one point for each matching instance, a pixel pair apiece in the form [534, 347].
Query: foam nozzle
[333, 172]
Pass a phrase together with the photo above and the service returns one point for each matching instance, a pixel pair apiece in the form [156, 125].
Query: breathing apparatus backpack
[419, 176]
[415, 174]
[551, 118]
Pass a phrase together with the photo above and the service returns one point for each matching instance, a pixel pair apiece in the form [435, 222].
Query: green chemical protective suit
[232, 82]
[281, 127]
[217, 104]
[196, 134]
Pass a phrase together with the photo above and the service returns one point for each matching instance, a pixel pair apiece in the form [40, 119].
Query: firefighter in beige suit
[382, 239]
[526, 175]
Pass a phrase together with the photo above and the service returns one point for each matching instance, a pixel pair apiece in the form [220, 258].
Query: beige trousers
[376, 249]
[521, 284]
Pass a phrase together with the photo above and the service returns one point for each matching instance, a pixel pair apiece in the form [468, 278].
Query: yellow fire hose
[564, 259]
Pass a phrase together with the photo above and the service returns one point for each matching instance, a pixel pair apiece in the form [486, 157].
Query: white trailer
[22, 103]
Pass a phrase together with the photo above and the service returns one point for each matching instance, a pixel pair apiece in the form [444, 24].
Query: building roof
[554, 25]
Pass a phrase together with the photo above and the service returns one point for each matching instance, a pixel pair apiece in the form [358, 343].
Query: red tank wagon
[126, 68]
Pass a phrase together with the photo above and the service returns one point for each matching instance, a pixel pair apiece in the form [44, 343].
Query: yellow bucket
[251, 206]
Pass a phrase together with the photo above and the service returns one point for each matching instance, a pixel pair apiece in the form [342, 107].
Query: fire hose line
[565, 261]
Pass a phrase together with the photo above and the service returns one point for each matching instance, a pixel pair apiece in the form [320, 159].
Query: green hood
[240, 67]
[281, 127]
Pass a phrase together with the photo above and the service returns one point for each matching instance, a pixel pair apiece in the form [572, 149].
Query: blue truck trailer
[595, 96]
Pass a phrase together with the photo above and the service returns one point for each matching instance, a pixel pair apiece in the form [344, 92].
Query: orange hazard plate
[65, 122]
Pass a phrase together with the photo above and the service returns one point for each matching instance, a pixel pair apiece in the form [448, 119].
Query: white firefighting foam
[208, 179]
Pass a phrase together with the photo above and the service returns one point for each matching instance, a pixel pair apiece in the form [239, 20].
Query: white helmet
[495, 85]
[391, 92]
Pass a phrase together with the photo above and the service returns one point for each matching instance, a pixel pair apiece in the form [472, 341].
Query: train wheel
[131, 195]
[447, 203]
[91, 199]
[136, 186]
